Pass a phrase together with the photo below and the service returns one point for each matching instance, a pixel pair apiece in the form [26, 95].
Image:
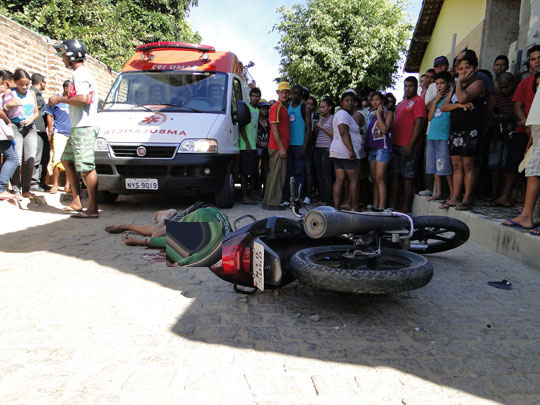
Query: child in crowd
[437, 155]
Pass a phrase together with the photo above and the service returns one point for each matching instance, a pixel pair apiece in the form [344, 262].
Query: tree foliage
[332, 45]
[110, 29]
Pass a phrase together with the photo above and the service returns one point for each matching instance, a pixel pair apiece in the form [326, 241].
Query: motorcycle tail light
[236, 254]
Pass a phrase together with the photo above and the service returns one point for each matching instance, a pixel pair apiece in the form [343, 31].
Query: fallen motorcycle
[353, 252]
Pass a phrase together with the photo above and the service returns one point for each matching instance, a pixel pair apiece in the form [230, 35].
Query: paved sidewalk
[85, 319]
[486, 229]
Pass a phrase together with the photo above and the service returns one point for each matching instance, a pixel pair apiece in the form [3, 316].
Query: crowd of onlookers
[39, 134]
[460, 135]
[40, 140]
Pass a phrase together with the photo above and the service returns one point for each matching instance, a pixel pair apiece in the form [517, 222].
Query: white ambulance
[170, 122]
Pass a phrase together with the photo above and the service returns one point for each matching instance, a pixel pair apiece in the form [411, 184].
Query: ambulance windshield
[171, 91]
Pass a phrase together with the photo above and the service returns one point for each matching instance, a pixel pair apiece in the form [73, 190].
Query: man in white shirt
[440, 64]
[79, 156]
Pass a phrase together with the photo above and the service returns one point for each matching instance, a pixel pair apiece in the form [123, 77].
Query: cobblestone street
[86, 319]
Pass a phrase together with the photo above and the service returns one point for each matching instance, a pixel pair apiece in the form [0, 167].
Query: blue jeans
[26, 146]
[295, 168]
[11, 161]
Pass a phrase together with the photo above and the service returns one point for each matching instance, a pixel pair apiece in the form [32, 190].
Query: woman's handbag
[6, 132]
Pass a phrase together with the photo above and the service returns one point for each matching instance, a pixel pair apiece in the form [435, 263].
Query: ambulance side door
[236, 89]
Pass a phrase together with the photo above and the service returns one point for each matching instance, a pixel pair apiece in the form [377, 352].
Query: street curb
[513, 243]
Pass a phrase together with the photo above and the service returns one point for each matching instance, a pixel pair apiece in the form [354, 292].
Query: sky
[247, 31]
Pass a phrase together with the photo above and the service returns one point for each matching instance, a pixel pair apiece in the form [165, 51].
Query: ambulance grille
[155, 152]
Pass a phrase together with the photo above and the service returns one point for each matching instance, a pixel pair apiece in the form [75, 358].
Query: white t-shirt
[337, 148]
[431, 92]
[534, 113]
[83, 82]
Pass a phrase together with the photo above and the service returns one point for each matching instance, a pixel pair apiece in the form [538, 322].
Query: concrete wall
[463, 17]
[529, 22]
[26, 49]
[501, 28]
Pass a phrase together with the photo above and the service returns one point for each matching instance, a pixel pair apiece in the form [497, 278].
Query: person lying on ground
[192, 238]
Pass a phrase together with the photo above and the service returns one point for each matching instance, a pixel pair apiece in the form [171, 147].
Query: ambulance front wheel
[224, 197]
[107, 197]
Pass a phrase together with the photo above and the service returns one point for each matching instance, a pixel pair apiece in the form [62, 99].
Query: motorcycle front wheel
[335, 268]
[434, 234]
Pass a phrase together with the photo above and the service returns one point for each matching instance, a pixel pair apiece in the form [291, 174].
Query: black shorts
[516, 151]
[406, 167]
[248, 162]
[346, 164]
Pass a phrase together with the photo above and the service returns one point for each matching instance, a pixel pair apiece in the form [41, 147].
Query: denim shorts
[380, 155]
[498, 153]
[438, 158]
[405, 166]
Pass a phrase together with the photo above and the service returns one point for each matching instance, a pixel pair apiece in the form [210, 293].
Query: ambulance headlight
[199, 146]
[101, 145]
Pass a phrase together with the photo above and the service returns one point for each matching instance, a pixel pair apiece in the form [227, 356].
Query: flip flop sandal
[535, 231]
[69, 209]
[503, 284]
[464, 207]
[513, 224]
[84, 215]
[445, 205]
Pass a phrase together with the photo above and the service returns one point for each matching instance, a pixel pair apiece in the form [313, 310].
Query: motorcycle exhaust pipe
[326, 222]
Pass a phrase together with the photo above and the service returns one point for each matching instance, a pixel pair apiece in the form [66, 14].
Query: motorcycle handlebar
[325, 223]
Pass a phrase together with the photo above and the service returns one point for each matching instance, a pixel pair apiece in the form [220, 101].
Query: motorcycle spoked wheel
[434, 234]
[329, 268]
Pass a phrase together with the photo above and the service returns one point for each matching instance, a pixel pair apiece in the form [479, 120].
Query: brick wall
[473, 40]
[26, 49]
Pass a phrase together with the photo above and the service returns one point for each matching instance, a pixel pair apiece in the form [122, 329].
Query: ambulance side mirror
[243, 115]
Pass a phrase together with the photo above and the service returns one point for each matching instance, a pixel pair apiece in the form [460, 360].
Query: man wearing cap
[440, 64]
[278, 145]
[79, 156]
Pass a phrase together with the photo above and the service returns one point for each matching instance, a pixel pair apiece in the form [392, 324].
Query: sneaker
[425, 193]
[307, 201]
[37, 188]
[285, 204]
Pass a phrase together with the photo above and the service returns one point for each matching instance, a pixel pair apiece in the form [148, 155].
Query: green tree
[110, 29]
[332, 45]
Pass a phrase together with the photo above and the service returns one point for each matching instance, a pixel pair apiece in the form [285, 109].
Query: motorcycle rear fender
[273, 274]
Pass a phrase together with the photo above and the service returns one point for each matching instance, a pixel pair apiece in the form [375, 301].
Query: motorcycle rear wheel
[434, 234]
[329, 268]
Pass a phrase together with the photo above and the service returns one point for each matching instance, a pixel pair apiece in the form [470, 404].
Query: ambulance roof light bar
[171, 45]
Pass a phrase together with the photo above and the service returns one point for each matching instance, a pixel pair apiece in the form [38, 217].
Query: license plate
[258, 266]
[141, 184]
